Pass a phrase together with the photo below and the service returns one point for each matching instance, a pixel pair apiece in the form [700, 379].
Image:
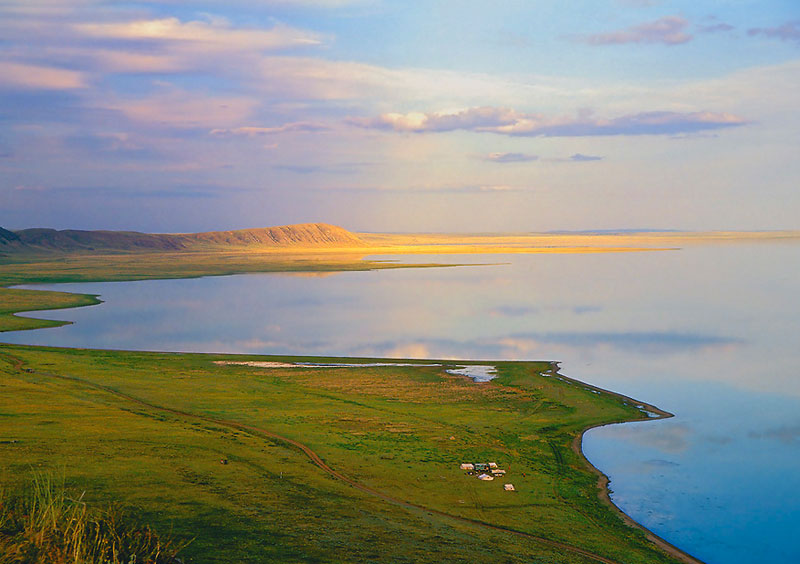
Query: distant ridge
[7, 237]
[299, 234]
[70, 240]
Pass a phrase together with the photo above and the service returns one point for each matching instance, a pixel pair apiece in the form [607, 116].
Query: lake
[709, 333]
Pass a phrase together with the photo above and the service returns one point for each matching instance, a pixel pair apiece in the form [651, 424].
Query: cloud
[42, 7]
[113, 145]
[510, 157]
[580, 158]
[476, 119]
[639, 342]
[513, 311]
[669, 30]
[639, 3]
[252, 131]
[146, 45]
[784, 434]
[158, 45]
[444, 189]
[324, 4]
[685, 136]
[303, 78]
[24, 76]
[306, 169]
[30, 188]
[112, 192]
[790, 31]
[657, 463]
[510, 122]
[177, 108]
[714, 28]
[341, 168]
[490, 188]
[100, 59]
[217, 34]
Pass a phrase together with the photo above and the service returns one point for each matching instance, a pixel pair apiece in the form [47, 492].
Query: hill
[8, 237]
[70, 240]
[303, 234]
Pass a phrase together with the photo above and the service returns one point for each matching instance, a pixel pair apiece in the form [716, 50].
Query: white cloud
[511, 122]
[215, 34]
[307, 78]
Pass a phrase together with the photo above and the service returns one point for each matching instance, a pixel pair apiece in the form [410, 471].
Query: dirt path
[19, 365]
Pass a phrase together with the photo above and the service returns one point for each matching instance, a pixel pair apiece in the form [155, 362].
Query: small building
[485, 477]
[467, 466]
[493, 465]
[498, 472]
[509, 487]
[481, 466]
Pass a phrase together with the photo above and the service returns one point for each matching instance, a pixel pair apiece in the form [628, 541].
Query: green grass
[149, 430]
[47, 523]
[77, 267]
[13, 300]
[400, 431]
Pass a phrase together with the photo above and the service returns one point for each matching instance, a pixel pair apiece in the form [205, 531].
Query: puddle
[479, 373]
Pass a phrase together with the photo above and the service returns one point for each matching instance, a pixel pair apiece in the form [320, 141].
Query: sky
[387, 116]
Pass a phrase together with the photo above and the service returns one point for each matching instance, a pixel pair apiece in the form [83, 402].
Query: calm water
[710, 334]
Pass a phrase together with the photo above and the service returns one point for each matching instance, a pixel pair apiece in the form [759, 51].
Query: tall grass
[44, 524]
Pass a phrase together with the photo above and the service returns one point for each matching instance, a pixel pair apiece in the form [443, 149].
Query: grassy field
[342, 464]
[14, 300]
[77, 267]
[151, 429]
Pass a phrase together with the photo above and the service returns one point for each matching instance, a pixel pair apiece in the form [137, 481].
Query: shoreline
[602, 480]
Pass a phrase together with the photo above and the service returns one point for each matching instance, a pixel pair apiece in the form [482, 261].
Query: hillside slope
[70, 240]
[313, 234]
[8, 237]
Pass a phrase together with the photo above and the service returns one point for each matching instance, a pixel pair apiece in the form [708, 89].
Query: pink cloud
[183, 109]
[669, 30]
[39, 77]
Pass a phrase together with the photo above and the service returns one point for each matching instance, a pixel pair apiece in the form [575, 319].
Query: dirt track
[19, 365]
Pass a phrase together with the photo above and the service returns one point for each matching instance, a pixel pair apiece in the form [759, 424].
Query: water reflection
[706, 333]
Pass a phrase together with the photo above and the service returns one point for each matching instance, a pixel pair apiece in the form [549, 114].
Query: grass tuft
[46, 524]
